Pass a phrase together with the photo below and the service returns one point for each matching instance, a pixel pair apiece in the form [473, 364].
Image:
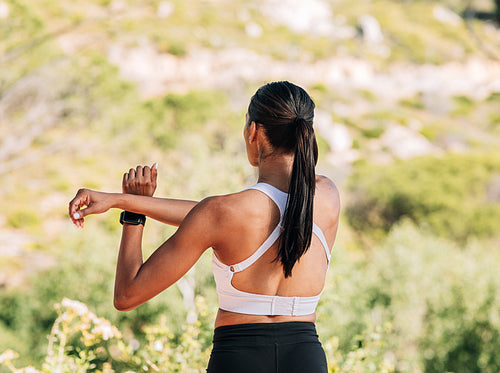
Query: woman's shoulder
[226, 206]
[326, 186]
[232, 214]
[327, 194]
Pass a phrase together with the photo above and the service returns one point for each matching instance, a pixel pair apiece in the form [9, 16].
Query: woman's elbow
[122, 303]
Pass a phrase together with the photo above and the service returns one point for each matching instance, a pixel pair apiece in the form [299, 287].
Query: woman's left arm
[136, 282]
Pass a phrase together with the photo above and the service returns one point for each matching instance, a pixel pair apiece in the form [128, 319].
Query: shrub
[24, 217]
[80, 341]
[436, 303]
[448, 195]
[85, 271]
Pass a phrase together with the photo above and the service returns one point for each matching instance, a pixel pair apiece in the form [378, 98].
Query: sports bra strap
[259, 252]
[319, 233]
[279, 197]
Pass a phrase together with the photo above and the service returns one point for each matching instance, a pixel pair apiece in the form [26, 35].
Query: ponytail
[286, 113]
[298, 219]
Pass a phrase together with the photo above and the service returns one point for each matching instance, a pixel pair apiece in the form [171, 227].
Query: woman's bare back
[249, 218]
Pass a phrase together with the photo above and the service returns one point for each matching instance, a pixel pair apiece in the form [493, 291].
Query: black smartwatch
[132, 218]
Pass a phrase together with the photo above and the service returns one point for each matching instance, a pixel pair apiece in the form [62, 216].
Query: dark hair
[286, 113]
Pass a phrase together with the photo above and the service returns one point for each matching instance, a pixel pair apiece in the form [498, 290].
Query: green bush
[438, 304]
[85, 271]
[461, 332]
[448, 195]
[24, 217]
[177, 114]
[463, 105]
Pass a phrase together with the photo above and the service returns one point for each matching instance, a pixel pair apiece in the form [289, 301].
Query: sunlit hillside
[408, 121]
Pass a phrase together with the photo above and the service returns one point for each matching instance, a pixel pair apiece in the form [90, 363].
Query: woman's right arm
[138, 188]
[166, 210]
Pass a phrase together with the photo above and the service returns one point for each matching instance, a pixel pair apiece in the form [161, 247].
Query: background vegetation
[408, 98]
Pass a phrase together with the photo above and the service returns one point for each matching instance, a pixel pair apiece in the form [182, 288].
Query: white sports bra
[234, 300]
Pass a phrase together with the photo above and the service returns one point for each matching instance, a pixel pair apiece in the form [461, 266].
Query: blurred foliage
[80, 341]
[414, 284]
[416, 303]
[436, 303]
[179, 113]
[452, 195]
[84, 271]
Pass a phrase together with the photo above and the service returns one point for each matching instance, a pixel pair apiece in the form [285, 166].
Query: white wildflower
[29, 369]
[93, 317]
[105, 329]
[83, 326]
[134, 344]
[165, 9]
[158, 346]
[7, 355]
[78, 307]
[254, 30]
[4, 10]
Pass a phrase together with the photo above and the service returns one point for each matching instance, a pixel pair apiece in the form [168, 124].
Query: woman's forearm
[166, 210]
[128, 264]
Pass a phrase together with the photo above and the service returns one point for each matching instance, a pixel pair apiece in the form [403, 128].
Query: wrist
[119, 200]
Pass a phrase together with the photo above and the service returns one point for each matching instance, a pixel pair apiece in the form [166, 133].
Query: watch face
[130, 221]
[132, 218]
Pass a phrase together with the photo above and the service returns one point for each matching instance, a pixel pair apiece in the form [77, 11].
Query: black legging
[287, 347]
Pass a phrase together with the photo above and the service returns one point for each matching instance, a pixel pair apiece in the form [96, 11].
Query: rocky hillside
[87, 84]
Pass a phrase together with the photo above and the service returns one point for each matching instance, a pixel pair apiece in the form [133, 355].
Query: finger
[72, 206]
[131, 175]
[147, 173]
[124, 182]
[77, 218]
[75, 205]
[77, 202]
[139, 173]
[79, 215]
[154, 173]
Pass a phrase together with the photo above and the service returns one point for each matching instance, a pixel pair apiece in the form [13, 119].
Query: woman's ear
[252, 132]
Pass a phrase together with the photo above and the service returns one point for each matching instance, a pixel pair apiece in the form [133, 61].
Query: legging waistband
[266, 333]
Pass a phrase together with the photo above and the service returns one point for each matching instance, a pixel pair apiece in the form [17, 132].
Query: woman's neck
[276, 170]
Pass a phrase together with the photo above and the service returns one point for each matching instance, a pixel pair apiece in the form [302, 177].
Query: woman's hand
[141, 180]
[94, 203]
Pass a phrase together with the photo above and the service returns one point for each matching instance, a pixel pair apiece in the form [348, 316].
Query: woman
[271, 242]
